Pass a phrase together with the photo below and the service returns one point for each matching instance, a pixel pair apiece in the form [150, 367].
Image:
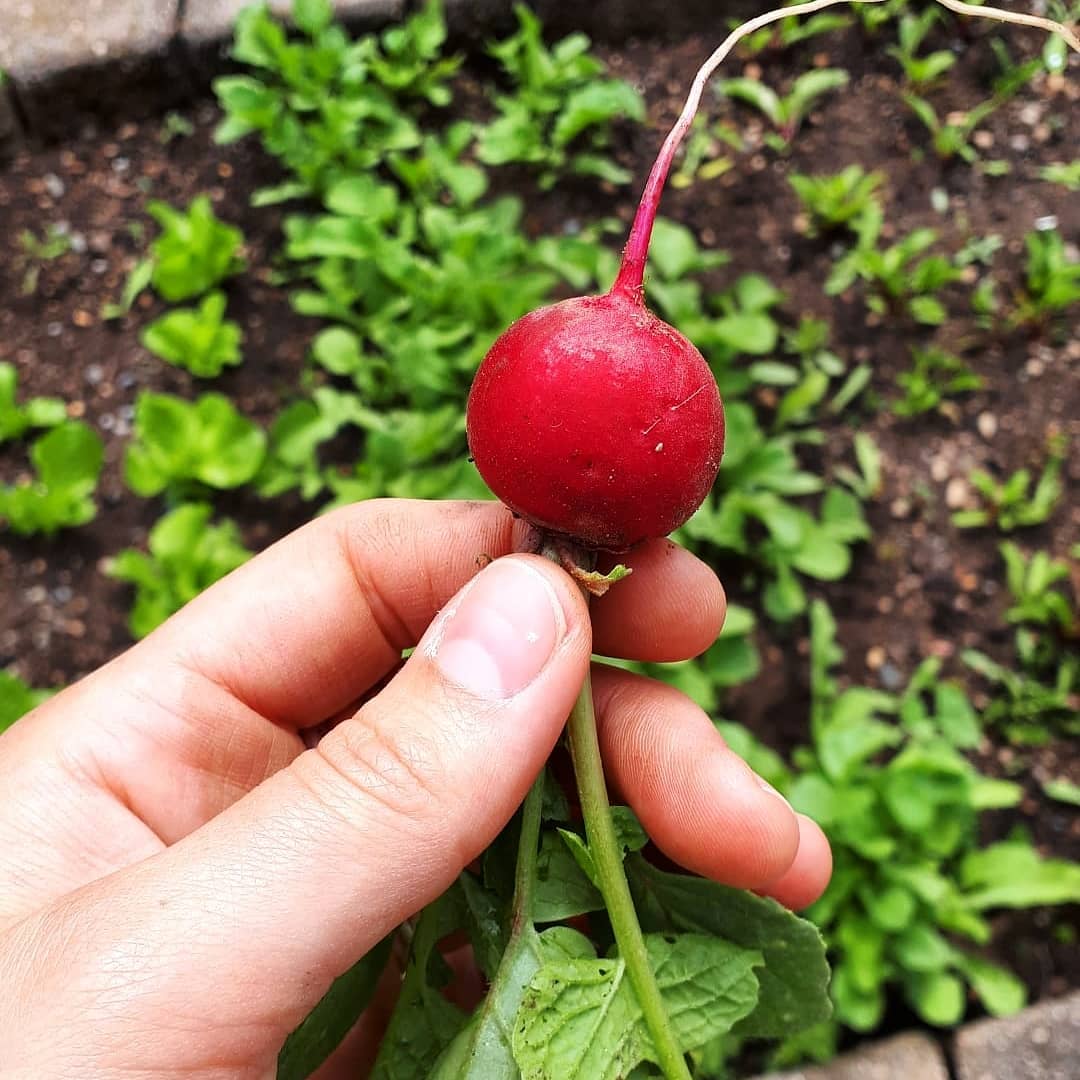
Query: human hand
[182, 880]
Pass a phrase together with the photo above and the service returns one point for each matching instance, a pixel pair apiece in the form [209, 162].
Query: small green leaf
[1000, 991]
[937, 997]
[580, 1018]
[332, 1019]
[1064, 791]
[794, 978]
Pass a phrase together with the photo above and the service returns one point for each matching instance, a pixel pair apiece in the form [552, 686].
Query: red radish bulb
[592, 418]
[595, 420]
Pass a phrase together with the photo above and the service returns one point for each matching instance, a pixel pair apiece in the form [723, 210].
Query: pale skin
[181, 879]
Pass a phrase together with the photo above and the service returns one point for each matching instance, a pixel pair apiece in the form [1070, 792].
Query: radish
[597, 421]
[602, 426]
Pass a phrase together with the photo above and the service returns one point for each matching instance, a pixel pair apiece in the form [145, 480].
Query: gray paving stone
[210, 20]
[904, 1057]
[41, 38]
[1040, 1043]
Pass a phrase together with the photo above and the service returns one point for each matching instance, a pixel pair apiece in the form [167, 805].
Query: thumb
[245, 923]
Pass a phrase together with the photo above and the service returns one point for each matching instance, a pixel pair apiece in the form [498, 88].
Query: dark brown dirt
[920, 588]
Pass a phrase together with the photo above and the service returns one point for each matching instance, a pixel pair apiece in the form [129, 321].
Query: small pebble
[94, 374]
[875, 657]
[54, 186]
[956, 493]
[892, 678]
[987, 425]
[939, 468]
[1047, 223]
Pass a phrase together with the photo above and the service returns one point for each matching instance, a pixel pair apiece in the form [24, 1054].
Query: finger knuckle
[364, 769]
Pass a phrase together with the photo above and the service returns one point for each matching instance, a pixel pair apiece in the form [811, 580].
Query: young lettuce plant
[199, 339]
[187, 555]
[67, 464]
[885, 778]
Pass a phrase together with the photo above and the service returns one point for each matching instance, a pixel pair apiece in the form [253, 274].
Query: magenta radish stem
[631, 277]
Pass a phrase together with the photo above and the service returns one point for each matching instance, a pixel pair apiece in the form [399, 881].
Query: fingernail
[499, 633]
[766, 786]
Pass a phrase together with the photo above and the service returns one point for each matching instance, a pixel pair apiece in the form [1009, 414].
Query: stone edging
[69, 60]
[1040, 1043]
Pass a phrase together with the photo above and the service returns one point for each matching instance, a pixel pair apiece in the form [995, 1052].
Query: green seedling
[199, 339]
[67, 463]
[1013, 503]
[1035, 600]
[920, 71]
[866, 480]
[934, 376]
[884, 777]
[326, 106]
[901, 277]
[175, 126]
[1065, 173]
[792, 31]
[181, 446]
[1051, 279]
[36, 251]
[951, 136]
[558, 118]
[787, 113]
[186, 556]
[838, 200]
[194, 252]
[704, 157]
[1035, 701]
